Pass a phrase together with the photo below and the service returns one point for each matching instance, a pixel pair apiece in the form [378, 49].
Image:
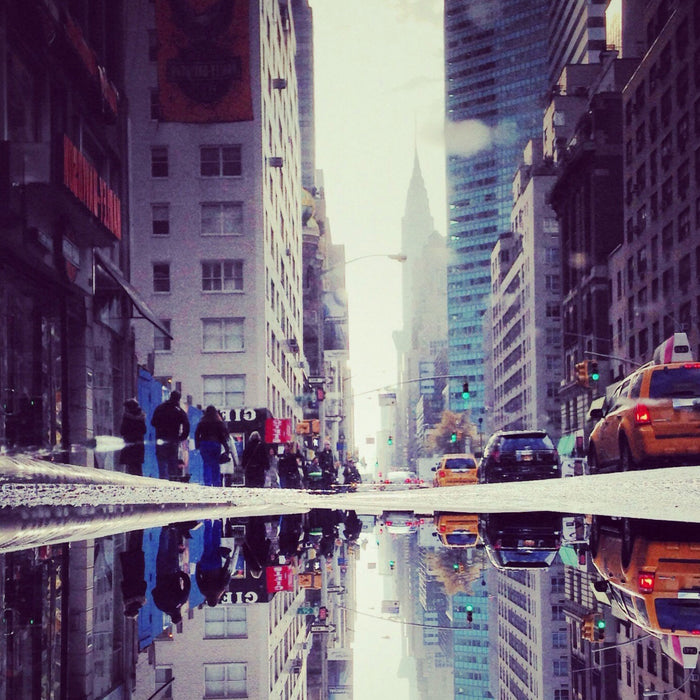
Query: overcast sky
[379, 96]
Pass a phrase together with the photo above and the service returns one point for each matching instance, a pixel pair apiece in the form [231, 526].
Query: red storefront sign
[279, 578]
[278, 430]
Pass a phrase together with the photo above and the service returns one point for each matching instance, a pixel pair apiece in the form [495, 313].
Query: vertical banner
[279, 578]
[278, 430]
[203, 60]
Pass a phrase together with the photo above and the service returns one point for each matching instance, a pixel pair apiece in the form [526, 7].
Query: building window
[152, 45]
[161, 277]
[684, 273]
[163, 675]
[160, 215]
[561, 694]
[684, 225]
[224, 390]
[222, 276]
[162, 342]
[559, 639]
[551, 283]
[159, 161]
[220, 161]
[667, 194]
[225, 622]
[155, 104]
[222, 334]
[560, 667]
[222, 219]
[228, 680]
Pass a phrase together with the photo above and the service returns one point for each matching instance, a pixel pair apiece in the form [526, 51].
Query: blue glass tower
[496, 73]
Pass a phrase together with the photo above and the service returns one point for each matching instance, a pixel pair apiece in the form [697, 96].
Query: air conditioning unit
[279, 83]
[275, 162]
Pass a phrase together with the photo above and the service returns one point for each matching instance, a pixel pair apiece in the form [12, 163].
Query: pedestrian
[211, 574]
[210, 436]
[255, 461]
[327, 464]
[312, 474]
[133, 431]
[172, 427]
[351, 475]
[133, 583]
[288, 467]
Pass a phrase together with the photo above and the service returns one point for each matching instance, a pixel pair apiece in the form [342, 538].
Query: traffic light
[390, 440]
[599, 628]
[593, 370]
[455, 566]
[391, 564]
[465, 390]
[453, 436]
[470, 613]
[588, 627]
[582, 373]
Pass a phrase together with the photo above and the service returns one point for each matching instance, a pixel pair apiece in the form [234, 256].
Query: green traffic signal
[470, 608]
[600, 624]
[593, 370]
[453, 437]
[390, 440]
[465, 390]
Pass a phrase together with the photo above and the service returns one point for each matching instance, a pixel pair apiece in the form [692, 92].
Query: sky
[379, 96]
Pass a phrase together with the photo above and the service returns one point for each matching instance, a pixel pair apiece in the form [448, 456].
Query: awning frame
[136, 299]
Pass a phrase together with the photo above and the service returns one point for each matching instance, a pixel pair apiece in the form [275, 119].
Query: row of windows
[216, 219]
[217, 276]
[214, 161]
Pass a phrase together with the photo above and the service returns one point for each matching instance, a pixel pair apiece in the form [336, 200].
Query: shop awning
[136, 299]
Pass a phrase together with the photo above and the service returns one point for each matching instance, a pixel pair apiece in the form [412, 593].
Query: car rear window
[526, 442]
[460, 463]
[678, 614]
[676, 382]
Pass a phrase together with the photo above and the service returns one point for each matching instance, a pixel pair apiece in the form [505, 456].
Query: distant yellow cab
[456, 470]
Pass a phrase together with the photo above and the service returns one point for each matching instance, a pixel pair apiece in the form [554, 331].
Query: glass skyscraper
[496, 73]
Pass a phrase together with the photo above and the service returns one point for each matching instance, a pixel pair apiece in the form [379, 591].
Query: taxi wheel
[627, 463]
[628, 537]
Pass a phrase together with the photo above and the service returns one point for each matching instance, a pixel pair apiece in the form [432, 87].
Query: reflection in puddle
[267, 605]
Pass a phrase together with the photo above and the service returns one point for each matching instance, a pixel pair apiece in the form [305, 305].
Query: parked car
[519, 455]
[651, 419]
[400, 522]
[400, 478]
[455, 470]
[521, 540]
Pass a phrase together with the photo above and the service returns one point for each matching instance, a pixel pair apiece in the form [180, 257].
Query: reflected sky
[185, 600]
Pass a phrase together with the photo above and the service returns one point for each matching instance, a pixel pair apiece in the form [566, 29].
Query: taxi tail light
[443, 528]
[442, 473]
[641, 415]
[645, 582]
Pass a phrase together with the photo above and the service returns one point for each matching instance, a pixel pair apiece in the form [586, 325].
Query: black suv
[519, 455]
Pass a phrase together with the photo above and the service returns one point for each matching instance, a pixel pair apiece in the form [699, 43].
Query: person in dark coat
[327, 464]
[256, 546]
[133, 582]
[133, 431]
[288, 467]
[210, 436]
[351, 474]
[255, 461]
[172, 589]
[213, 576]
[172, 427]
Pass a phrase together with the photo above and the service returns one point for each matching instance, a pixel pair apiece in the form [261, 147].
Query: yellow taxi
[652, 418]
[456, 470]
[457, 529]
[653, 572]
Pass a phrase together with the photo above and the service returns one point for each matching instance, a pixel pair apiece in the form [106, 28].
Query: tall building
[217, 205]
[525, 304]
[496, 54]
[576, 34]
[421, 342]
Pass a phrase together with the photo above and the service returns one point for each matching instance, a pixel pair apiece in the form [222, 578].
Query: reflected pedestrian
[213, 575]
[210, 436]
[133, 431]
[172, 427]
[133, 582]
[172, 589]
[289, 467]
[328, 467]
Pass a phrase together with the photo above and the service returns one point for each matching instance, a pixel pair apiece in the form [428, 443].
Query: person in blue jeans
[211, 573]
[210, 436]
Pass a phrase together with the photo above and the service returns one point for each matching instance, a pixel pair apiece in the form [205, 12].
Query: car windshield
[460, 463]
[678, 614]
[526, 558]
[461, 538]
[526, 442]
[675, 382]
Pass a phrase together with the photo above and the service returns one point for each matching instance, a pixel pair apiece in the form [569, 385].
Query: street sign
[317, 381]
[323, 628]
[306, 611]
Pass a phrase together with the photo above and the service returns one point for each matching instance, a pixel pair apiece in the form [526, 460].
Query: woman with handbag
[210, 436]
